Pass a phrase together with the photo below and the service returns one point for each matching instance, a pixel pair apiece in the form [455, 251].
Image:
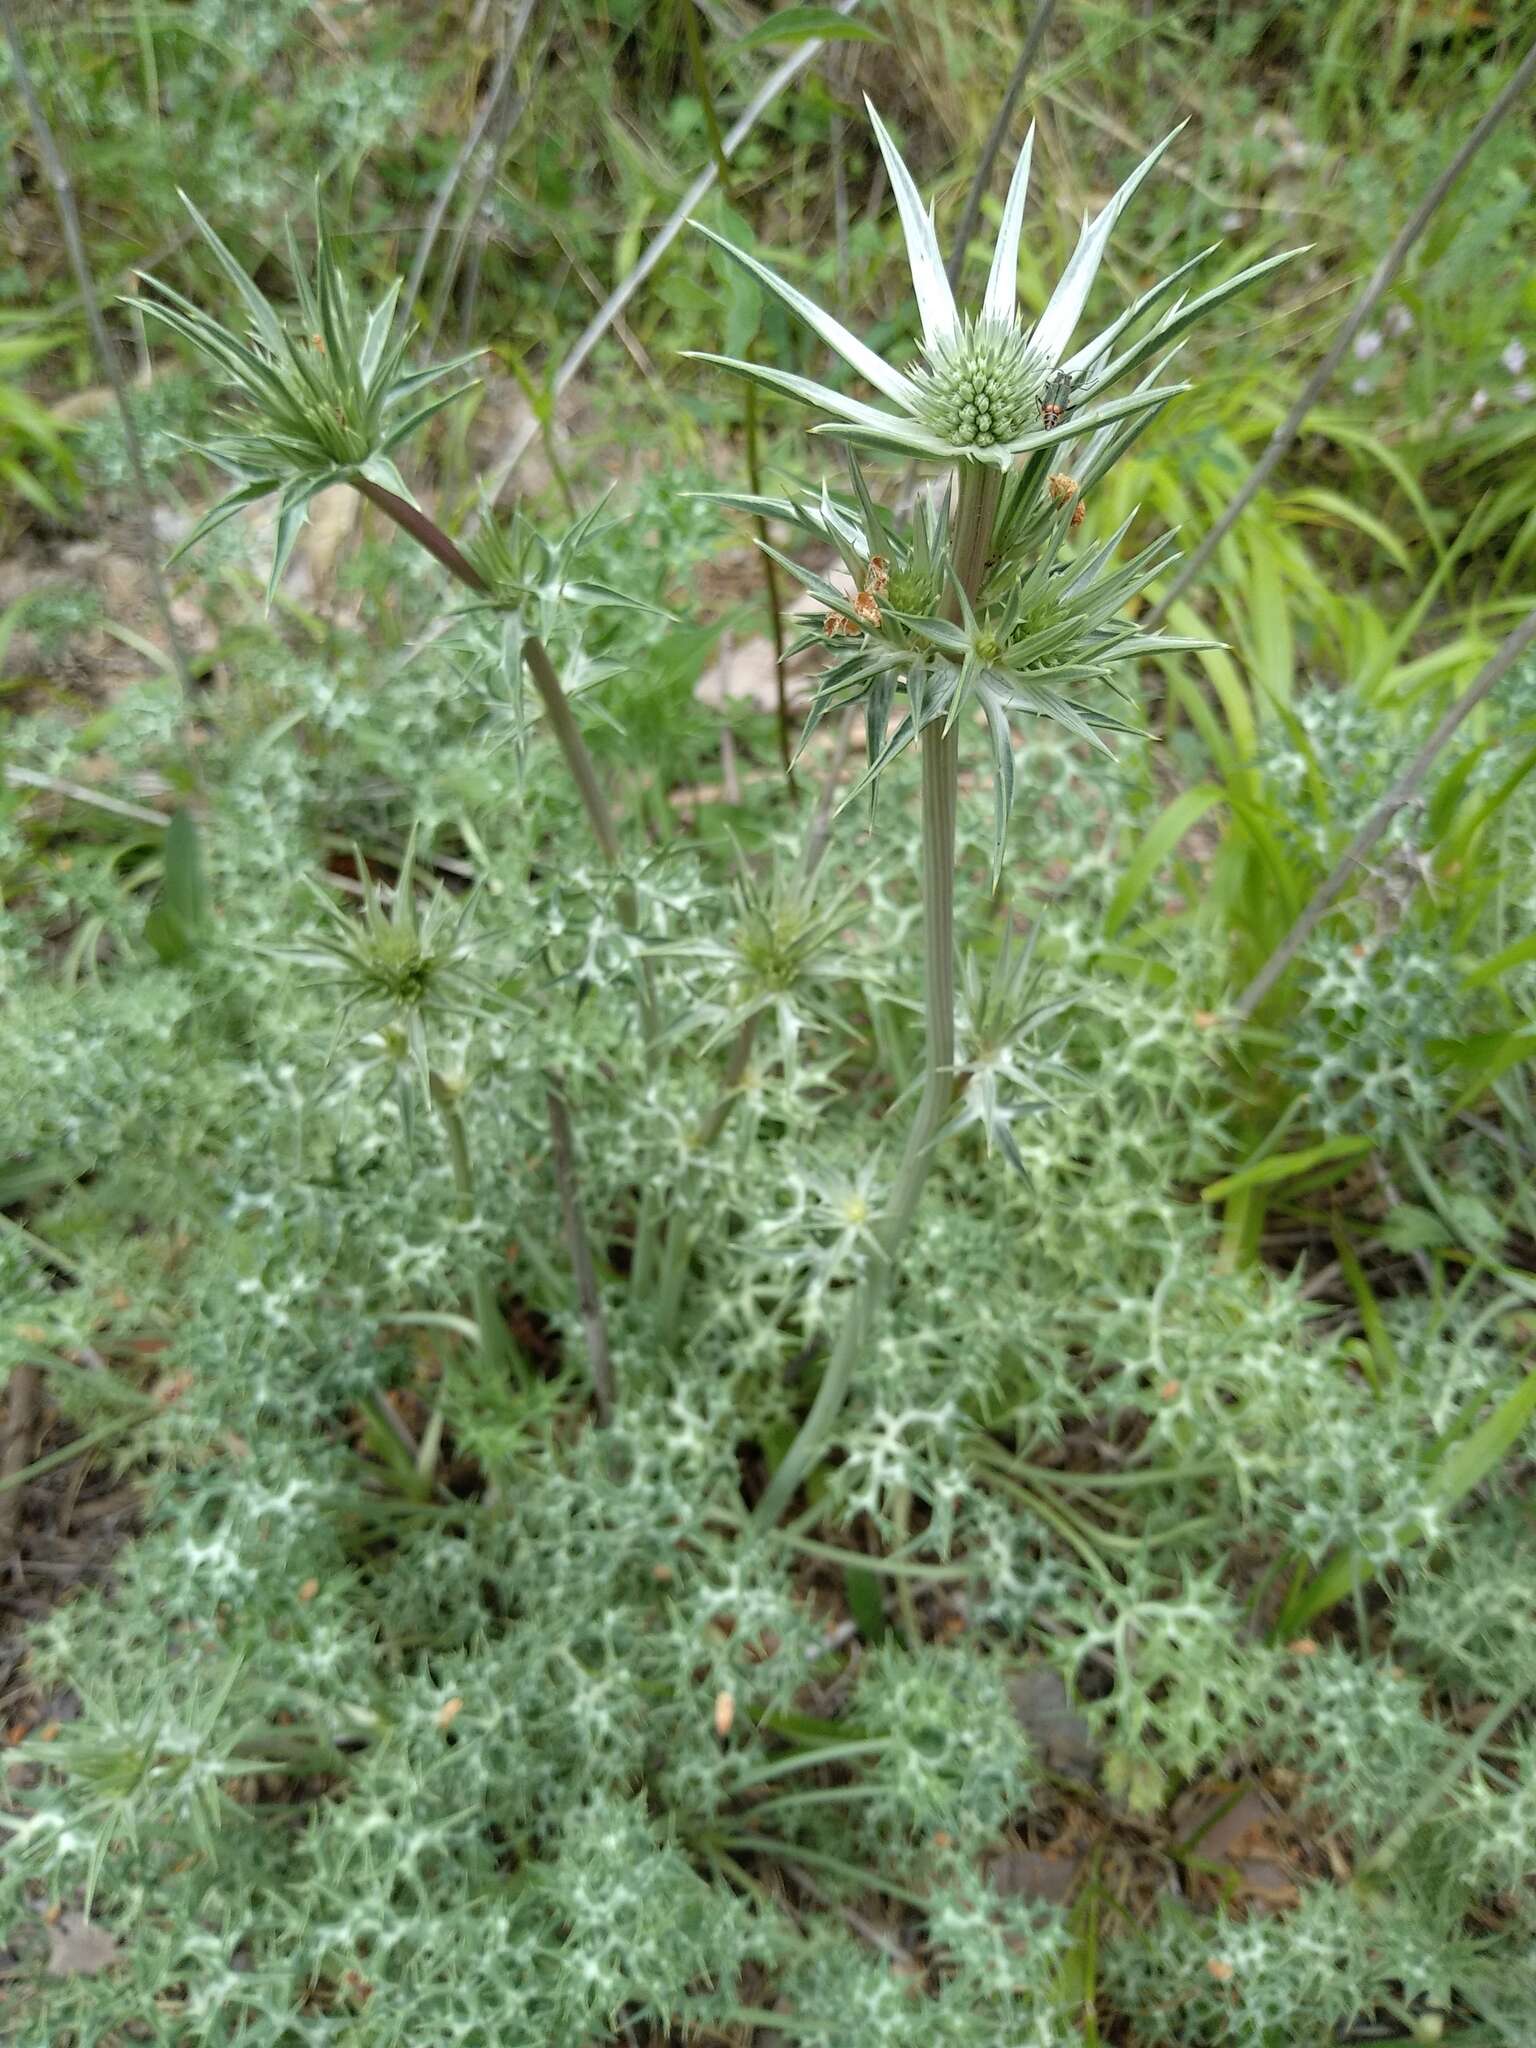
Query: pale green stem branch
[562, 723]
[588, 1294]
[977, 490]
[557, 708]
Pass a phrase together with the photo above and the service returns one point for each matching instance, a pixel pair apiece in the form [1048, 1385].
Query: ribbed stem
[424, 531]
[976, 496]
[594, 801]
[429, 535]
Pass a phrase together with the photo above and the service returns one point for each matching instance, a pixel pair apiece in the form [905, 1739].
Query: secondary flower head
[327, 398]
[988, 387]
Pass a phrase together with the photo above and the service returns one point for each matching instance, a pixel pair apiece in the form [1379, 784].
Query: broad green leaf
[1494, 969]
[865, 1602]
[1377, 1336]
[1164, 835]
[180, 911]
[1457, 1465]
[1332, 506]
[1467, 1462]
[1272, 652]
[1286, 1166]
[1410, 1227]
[804, 25]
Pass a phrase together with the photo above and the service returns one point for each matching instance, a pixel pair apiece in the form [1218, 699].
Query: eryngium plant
[982, 601]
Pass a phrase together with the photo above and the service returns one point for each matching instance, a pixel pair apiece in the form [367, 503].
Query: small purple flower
[1367, 345]
[1397, 319]
[1514, 358]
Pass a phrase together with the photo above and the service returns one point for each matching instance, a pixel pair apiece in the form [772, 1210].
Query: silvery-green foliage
[1188, 1685]
[838, 1990]
[1263, 1982]
[1328, 1707]
[1490, 1835]
[363, 1762]
[1470, 1618]
[1365, 1050]
[956, 1761]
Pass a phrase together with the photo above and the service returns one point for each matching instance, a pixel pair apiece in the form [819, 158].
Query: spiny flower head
[974, 395]
[398, 968]
[329, 396]
[980, 386]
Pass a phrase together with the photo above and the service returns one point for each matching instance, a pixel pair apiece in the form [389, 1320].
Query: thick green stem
[562, 723]
[588, 1294]
[770, 588]
[424, 531]
[594, 800]
[976, 494]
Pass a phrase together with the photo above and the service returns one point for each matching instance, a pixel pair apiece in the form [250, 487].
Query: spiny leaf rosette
[328, 403]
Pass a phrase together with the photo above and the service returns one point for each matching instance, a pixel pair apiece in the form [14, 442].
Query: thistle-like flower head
[329, 397]
[779, 959]
[988, 387]
[399, 969]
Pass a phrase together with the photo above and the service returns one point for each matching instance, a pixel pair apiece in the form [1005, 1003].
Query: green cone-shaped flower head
[980, 388]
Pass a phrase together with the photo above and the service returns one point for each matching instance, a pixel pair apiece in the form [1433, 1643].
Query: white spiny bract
[1038, 623]
[977, 395]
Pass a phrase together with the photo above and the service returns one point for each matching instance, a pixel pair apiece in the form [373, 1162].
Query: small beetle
[1055, 401]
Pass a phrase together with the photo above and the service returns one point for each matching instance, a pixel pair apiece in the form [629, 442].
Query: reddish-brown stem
[425, 531]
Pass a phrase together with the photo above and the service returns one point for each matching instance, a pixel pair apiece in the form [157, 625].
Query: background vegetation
[1153, 1665]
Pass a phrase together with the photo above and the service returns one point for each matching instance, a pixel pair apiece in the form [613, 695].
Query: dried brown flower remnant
[1059, 488]
[836, 623]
